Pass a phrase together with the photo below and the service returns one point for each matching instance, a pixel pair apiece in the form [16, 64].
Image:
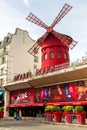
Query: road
[25, 125]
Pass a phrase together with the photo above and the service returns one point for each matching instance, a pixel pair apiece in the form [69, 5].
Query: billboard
[74, 91]
[22, 96]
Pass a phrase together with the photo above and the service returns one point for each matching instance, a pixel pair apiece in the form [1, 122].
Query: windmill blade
[66, 8]
[32, 18]
[66, 39]
[73, 44]
[34, 49]
[42, 38]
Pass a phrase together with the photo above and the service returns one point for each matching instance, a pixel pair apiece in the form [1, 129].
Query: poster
[74, 91]
[22, 96]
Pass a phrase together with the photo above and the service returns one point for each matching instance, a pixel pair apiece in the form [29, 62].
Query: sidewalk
[41, 120]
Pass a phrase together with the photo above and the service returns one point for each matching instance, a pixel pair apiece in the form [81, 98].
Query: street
[25, 125]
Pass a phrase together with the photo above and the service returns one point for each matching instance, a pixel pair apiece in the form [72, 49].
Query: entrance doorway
[31, 111]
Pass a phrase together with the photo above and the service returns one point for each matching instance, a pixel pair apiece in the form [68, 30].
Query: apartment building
[14, 56]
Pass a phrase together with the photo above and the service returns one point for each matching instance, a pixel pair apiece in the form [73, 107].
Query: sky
[13, 15]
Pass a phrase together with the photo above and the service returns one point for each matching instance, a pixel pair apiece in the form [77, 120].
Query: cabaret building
[30, 94]
[57, 82]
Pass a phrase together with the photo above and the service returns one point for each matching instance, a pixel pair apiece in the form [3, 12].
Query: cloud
[26, 2]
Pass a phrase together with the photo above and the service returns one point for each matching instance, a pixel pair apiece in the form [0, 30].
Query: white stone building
[14, 56]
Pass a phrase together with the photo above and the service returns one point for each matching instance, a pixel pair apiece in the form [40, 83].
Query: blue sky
[13, 14]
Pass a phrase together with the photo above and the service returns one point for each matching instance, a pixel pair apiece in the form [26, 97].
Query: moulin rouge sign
[23, 76]
[41, 71]
[51, 68]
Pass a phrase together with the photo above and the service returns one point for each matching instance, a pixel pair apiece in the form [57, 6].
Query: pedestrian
[16, 116]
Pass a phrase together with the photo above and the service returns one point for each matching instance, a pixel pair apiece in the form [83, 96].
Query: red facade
[63, 94]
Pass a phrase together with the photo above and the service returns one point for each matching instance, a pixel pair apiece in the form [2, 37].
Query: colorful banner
[75, 91]
[22, 96]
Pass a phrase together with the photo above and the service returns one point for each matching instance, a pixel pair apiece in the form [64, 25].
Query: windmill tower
[54, 45]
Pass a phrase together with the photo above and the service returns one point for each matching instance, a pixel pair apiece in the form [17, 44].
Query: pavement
[38, 120]
[26, 125]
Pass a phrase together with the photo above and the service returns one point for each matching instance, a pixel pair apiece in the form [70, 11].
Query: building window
[59, 54]
[3, 60]
[51, 54]
[4, 49]
[35, 59]
[35, 66]
[1, 82]
[1, 71]
[45, 56]
[6, 39]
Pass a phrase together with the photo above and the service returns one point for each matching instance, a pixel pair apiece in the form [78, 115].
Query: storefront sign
[41, 71]
[22, 76]
[51, 68]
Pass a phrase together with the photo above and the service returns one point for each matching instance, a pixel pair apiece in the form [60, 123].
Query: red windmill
[54, 46]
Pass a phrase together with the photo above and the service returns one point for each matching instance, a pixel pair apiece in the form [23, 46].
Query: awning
[1, 93]
[24, 105]
[61, 76]
[18, 105]
[17, 86]
[67, 103]
[49, 104]
[37, 104]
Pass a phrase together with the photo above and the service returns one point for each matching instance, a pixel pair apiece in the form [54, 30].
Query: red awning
[37, 104]
[49, 104]
[18, 105]
[67, 103]
[24, 105]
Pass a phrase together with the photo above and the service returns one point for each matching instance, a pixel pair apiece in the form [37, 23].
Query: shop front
[62, 88]
[32, 101]
[23, 102]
